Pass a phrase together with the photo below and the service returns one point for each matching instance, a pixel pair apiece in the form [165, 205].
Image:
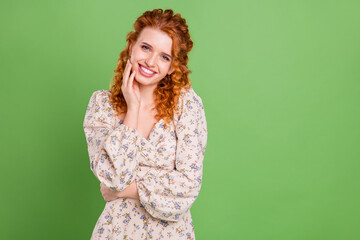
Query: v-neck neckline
[148, 139]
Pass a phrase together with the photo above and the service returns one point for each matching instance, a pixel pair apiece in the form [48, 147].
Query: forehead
[159, 40]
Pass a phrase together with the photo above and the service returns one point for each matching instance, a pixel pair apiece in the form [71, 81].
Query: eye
[145, 47]
[166, 58]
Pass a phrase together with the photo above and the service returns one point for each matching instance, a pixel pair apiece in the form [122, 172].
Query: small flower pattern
[167, 167]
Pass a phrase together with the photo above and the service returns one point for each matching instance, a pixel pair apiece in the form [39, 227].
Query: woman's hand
[130, 88]
[130, 192]
[108, 194]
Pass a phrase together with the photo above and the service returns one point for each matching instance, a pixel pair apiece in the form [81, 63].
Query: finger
[131, 80]
[126, 74]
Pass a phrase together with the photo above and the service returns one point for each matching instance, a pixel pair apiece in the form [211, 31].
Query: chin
[144, 82]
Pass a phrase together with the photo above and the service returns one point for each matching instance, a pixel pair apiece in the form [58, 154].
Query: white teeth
[147, 71]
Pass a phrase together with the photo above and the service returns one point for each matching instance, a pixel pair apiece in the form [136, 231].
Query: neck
[146, 95]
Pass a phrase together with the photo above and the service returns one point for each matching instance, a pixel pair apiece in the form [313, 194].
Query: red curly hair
[168, 89]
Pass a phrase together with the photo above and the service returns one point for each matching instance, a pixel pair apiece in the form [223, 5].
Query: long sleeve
[112, 150]
[167, 194]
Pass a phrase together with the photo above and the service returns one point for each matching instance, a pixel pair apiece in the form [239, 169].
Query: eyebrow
[162, 52]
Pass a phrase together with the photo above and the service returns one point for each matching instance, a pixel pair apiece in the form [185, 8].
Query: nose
[150, 61]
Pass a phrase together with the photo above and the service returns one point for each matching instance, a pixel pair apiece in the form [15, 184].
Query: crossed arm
[110, 195]
[131, 120]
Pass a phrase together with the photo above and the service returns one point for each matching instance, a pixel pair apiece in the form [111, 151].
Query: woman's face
[151, 56]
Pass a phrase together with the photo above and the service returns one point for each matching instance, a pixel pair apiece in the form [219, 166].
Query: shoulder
[191, 117]
[99, 102]
[189, 103]
[99, 108]
[100, 97]
[190, 97]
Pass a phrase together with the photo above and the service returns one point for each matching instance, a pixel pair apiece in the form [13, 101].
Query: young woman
[147, 136]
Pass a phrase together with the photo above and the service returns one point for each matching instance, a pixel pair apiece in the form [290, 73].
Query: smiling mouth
[146, 70]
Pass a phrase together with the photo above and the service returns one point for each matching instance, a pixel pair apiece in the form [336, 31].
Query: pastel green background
[280, 85]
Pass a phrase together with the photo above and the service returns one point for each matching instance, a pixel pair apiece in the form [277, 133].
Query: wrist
[119, 194]
[133, 108]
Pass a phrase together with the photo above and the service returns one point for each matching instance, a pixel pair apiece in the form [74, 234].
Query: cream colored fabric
[167, 167]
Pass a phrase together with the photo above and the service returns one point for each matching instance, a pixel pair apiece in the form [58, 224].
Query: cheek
[133, 57]
[165, 68]
[138, 55]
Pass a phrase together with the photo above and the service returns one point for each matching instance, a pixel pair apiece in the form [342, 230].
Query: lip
[147, 68]
[144, 73]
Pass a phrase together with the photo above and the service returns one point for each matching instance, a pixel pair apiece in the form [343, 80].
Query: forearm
[129, 192]
[130, 120]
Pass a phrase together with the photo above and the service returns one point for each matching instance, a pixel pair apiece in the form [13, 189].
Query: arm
[110, 195]
[112, 151]
[129, 192]
[167, 194]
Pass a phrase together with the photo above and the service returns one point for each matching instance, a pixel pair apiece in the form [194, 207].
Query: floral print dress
[167, 167]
